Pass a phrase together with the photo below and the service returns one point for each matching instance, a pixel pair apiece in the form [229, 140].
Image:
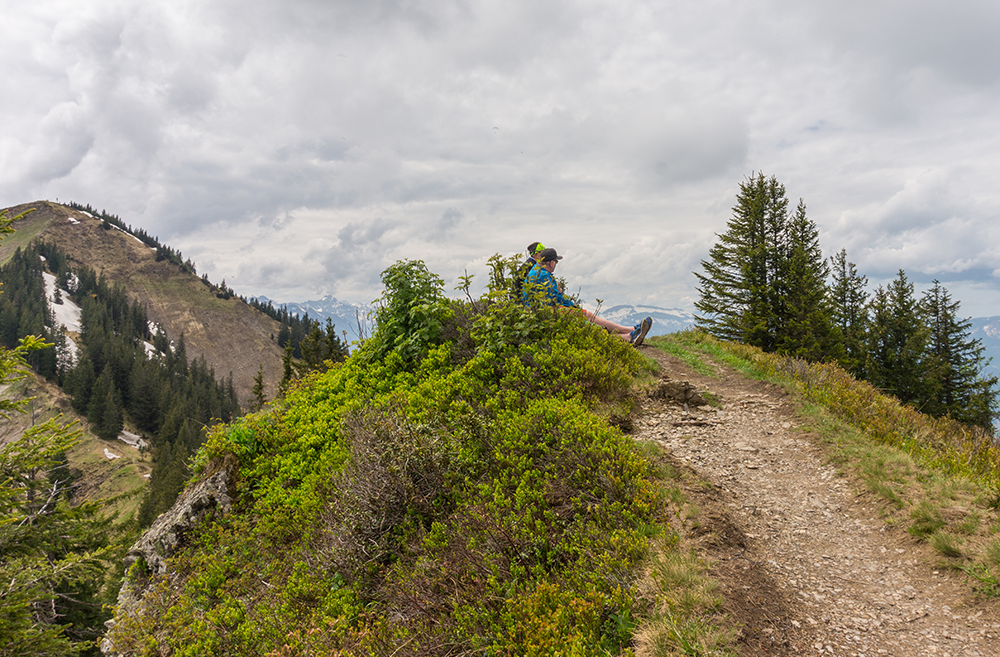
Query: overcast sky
[296, 148]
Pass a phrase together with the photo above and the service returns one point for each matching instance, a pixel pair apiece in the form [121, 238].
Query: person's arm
[553, 293]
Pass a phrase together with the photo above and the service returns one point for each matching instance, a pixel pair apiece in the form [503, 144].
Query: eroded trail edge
[805, 564]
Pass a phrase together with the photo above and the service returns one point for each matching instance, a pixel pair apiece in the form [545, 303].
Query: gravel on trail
[804, 563]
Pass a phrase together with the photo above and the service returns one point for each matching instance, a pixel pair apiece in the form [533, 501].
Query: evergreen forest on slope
[120, 372]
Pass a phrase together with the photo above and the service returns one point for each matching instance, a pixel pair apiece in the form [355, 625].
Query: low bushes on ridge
[454, 487]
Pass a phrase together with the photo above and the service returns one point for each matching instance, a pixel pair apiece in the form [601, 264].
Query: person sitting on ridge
[542, 283]
[522, 272]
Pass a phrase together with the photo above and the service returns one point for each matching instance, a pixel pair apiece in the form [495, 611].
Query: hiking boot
[638, 335]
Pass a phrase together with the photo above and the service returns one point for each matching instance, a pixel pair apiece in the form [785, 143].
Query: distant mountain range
[346, 316]
[351, 317]
[665, 320]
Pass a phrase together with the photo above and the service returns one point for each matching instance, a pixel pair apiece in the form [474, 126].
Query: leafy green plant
[410, 315]
[988, 583]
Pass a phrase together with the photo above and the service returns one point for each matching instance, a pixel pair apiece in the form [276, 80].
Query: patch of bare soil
[804, 563]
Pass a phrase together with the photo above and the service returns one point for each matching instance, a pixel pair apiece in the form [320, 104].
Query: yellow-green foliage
[938, 442]
[471, 499]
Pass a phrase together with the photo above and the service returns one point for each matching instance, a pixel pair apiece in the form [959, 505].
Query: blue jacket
[540, 280]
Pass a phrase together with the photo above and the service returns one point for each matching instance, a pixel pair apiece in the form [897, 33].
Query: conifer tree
[105, 410]
[179, 363]
[763, 283]
[284, 335]
[897, 359]
[80, 384]
[848, 300]
[144, 396]
[320, 346]
[258, 399]
[738, 289]
[958, 386]
[807, 330]
[170, 471]
[288, 371]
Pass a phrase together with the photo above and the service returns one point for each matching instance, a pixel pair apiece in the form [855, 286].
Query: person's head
[548, 258]
[534, 248]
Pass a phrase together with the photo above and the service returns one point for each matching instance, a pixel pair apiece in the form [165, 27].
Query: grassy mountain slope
[229, 334]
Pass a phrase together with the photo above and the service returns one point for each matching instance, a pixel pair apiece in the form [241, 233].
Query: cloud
[298, 148]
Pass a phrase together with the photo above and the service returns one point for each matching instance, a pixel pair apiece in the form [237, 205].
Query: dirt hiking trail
[805, 564]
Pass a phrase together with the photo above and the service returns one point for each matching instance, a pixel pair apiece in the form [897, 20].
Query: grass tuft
[947, 544]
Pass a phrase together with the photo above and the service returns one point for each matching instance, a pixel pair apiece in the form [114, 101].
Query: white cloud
[297, 148]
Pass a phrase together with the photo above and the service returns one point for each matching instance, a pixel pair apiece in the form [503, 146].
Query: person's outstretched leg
[617, 329]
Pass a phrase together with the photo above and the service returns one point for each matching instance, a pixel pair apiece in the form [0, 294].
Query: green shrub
[453, 486]
[410, 315]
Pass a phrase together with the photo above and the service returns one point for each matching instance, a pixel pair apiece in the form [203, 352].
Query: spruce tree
[336, 348]
[105, 410]
[897, 360]
[739, 295]
[288, 370]
[764, 280]
[179, 363]
[807, 330]
[80, 384]
[957, 385]
[848, 301]
[320, 347]
[258, 398]
[144, 396]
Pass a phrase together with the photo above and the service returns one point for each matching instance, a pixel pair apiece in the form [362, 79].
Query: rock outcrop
[680, 392]
[211, 495]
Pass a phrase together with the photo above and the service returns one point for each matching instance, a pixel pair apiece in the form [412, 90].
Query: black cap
[547, 255]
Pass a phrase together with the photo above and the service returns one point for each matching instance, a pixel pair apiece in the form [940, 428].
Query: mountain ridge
[352, 318]
[177, 300]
